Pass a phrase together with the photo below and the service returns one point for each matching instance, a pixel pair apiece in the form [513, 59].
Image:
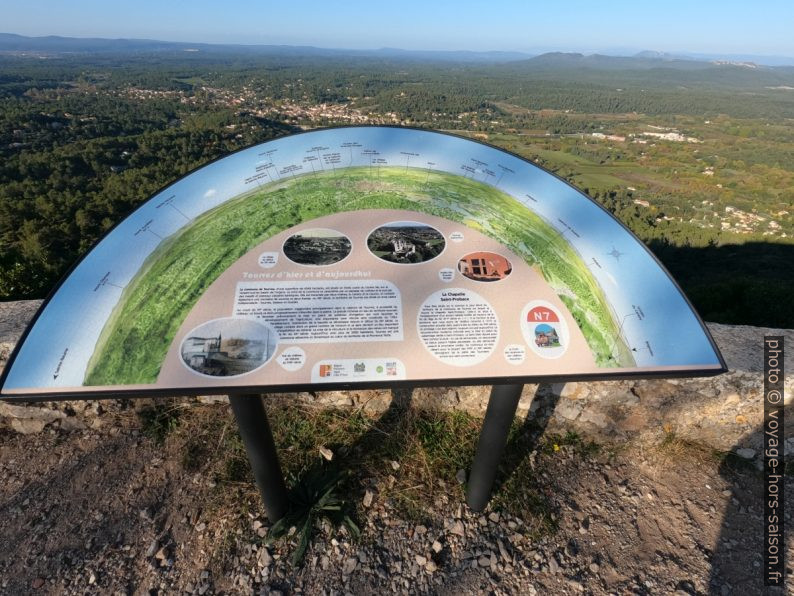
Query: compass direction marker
[616, 253]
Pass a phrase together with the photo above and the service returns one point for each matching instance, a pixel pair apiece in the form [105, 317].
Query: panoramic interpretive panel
[360, 256]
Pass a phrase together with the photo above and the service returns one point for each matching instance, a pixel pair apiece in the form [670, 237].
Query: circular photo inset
[317, 247]
[544, 329]
[406, 242]
[484, 266]
[228, 347]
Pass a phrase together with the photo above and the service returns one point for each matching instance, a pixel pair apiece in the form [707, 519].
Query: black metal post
[249, 411]
[499, 416]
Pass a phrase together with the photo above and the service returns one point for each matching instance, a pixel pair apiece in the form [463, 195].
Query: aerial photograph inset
[317, 247]
[406, 242]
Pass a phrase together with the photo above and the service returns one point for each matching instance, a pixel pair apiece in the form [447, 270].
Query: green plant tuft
[313, 498]
[157, 422]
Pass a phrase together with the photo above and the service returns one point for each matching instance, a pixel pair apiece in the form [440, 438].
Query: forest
[697, 160]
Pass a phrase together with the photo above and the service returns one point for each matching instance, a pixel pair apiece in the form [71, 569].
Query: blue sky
[674, 25]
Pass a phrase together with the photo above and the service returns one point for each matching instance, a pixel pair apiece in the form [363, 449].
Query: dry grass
[672, 450]
[408, 458]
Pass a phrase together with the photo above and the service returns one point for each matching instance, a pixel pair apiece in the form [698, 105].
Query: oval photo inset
[317, 247]
[484, 266]
[228, 347]
[406, 242]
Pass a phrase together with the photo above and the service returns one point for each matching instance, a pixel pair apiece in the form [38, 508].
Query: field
[694, 157]
[136, 338]
[718, 181]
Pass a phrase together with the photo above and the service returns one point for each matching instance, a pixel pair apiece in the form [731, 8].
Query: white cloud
[210, 193]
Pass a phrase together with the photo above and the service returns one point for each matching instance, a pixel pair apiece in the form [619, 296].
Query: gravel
[102, 509]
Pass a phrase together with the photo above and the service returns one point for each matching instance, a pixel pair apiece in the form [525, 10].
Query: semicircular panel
[360, 256]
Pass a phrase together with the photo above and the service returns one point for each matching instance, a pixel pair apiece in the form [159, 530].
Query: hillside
[695, 157]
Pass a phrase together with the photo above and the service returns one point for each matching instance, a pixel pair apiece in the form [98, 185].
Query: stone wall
[724, 412]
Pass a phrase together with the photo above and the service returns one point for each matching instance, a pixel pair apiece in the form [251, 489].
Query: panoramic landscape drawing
[221, 212]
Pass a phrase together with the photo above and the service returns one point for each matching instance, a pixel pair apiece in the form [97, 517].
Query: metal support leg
[499, 416]
[249, 411]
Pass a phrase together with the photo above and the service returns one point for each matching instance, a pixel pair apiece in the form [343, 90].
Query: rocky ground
[99, 497]
[106, 508]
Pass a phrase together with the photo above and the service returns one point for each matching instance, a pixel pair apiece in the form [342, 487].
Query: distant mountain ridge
[55, 44]
[641, 61]
[659, 55]
[10, 42]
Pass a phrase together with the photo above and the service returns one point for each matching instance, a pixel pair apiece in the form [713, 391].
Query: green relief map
[140, 330]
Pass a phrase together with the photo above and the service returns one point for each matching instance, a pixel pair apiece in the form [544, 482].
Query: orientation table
[352, 258]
